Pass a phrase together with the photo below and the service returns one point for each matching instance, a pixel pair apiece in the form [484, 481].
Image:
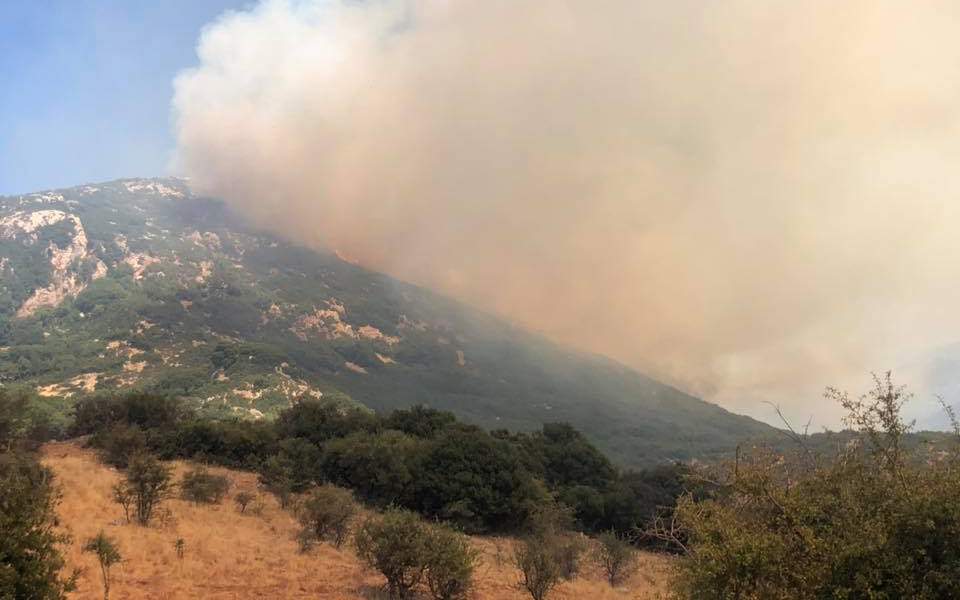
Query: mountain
[138, 285]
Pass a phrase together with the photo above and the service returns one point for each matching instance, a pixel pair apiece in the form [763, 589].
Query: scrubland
[228, 555]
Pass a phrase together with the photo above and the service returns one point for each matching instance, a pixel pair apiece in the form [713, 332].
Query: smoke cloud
[751, 199]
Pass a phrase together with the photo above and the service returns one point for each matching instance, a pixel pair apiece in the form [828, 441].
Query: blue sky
[85, 86]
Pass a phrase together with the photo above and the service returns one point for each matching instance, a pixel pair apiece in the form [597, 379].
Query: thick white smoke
[752, 199]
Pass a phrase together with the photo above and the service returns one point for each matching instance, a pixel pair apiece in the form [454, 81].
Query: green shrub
[419, 421]
[549, 552]
[276, 476]
[146, 485]
[107, 555]
[450, 563]
[326, 514]
[396, 544]
[536, 557]
[30, 557]
[119, 444]
[378, 467]
[476, 481]
[615, 556]
[874, 521]
[203, 487]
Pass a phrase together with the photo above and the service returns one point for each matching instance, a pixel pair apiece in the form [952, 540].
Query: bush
[419, 421]
[326, 514]
[537, 559]
[236, 444]
[13, 418]
[450, 563]
[202, 487]
[378, 467]
[107, 555]
[615, 556]
[570, 548]
[119, 444]
[548, 553]
[276, 476]
[30, 558]
[146, 411]
[396, 544]
[321, 420]
[146, 486]
[871, 522]
[475, 481]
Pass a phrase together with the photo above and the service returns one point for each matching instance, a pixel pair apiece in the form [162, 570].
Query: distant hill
[136, 284]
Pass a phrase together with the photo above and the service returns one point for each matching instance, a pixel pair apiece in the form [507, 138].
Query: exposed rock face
[329, 324]
[65, 279]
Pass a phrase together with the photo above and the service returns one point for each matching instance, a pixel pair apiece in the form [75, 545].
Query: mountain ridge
[139, 284]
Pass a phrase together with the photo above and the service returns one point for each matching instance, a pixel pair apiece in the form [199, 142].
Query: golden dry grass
[228, 555]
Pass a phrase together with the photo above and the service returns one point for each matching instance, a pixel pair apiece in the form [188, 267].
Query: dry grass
[229, 555]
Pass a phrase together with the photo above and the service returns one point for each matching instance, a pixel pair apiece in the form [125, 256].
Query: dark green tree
[147, 483]
[30, 558]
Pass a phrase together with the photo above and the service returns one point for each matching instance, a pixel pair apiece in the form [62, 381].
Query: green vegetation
[478, 481]
[537, 557]
[195, 304]
[146, 485]
[30, 556]
[396, 544]
[450, 563]
[615, 556]
[200, 486]
[409, 552]
[107, 555]
[873, 520]
[326, 514]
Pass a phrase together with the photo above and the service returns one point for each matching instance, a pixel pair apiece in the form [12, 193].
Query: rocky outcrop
[66, 281]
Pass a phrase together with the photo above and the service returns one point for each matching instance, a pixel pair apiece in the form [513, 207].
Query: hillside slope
[136, 284]
[255, 555]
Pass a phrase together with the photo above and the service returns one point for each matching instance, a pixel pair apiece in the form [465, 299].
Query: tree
[119, 444]
[615, 556]
[30, 558]
[419, 421]
[326, 514]
[276, 476]
[146, 485]
[13, 418]
[450, 563]
[378, 467]
[396, 544]
[203, 487]
[322, 420]
[107, 555]
[875, 520]
[536, 558]
[475, 481]
[548, 553]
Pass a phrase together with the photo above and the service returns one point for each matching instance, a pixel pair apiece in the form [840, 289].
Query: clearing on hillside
[227, 555]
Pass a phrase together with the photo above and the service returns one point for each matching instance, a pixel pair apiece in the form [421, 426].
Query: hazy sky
[85, 86]
[752, 199]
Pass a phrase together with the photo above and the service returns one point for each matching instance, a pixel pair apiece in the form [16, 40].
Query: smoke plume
[752, 199]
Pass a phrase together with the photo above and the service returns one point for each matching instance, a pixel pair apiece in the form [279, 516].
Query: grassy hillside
[228, 555]
[136, 284]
